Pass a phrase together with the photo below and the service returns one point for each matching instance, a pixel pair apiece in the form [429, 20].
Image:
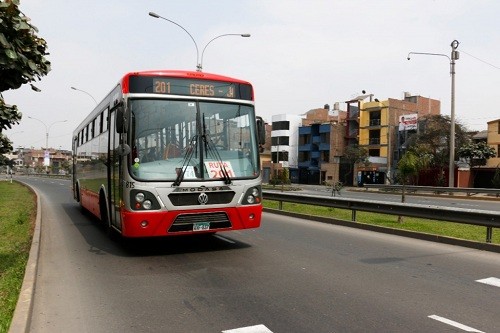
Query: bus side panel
[158, 223]
[90, 201]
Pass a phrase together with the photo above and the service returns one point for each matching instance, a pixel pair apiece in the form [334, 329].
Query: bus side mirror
[261, 131]
[121, 121]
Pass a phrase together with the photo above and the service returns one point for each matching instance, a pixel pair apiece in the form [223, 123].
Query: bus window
[106, 122]
[92, 129]
[101, 123]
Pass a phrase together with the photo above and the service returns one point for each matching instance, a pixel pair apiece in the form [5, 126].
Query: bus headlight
[139, 197]
[252, 196]
[143, 200]
[147, 204]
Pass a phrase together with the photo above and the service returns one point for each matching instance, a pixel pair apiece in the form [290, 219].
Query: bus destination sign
[187, 87]
[190, 87]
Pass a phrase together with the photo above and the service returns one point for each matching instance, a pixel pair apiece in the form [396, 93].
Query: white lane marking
[492, 281]
[225, 240]
[250, 329]
[455, 324]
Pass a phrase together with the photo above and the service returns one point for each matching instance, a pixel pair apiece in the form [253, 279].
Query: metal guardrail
[434, 189]
[489, 219]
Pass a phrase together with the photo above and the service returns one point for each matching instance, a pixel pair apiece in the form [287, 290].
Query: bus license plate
[200, 226]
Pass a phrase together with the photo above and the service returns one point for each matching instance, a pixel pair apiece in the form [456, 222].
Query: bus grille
[191, 199]
[184, 222]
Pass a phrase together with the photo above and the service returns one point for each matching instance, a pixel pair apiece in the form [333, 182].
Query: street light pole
[83, 91]
[199, 62]
[180, 26]
[454, 56]
[200, 66]
[47, 129]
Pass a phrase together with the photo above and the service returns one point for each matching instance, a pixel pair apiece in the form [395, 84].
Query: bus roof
[178, 74]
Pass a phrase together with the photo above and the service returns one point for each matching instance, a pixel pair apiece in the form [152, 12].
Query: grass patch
[17, 216]
[434, 227]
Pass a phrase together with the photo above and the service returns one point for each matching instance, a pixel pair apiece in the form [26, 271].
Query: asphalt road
[290, 275]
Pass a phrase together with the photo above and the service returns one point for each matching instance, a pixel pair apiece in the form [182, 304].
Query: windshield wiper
[211, 148]
[185, 162]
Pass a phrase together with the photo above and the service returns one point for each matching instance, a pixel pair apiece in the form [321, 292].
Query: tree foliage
[496, 178]
[5, 147]
[353, 155]
[408, 166]
[433, 138]
[476, 153]
[22, 57]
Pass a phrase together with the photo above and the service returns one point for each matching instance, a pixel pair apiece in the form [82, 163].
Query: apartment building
[321, 144]
[29, 160]
[493, 140]
[384, 129]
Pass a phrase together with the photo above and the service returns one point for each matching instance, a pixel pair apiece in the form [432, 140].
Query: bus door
[115, 186]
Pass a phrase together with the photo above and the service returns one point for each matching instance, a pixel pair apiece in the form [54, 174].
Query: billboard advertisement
[408, 122]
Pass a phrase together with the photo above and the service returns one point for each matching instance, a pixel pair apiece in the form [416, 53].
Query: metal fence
[434, 189]
[488, 219]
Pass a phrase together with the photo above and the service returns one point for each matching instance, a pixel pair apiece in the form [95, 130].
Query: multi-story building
[280, 150]
[321, 144]
[284, 137]
[493, 140]
[39, 160]
[384, 128]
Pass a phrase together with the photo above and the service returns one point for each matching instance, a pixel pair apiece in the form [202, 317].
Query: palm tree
[408, 166]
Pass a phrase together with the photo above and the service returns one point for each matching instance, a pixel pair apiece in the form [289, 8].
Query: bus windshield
[192, 140]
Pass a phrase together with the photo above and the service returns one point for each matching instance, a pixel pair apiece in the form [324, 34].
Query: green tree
[22, 57]
[476, 153]
[433, 138]
[496, 178]
[5, 147]
[353, 155]
[408, 166]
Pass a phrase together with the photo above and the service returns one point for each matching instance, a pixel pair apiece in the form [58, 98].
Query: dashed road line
[492, 281]
[455, 324]
[250, 329]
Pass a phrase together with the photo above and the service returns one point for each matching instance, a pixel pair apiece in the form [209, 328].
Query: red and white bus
[171, 152]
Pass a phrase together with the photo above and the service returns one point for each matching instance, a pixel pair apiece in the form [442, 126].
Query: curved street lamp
[47, 129]
[180, 26]
[198, 61]
[200, 66]
[83, 91]
[454, 56]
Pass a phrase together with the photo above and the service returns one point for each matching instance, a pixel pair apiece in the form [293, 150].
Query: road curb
[398, 232]
[22, 314]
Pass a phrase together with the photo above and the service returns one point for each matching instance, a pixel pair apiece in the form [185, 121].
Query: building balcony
[324, 128]
[305, 164]
[324, 146]
[304, 130]
[306, 147]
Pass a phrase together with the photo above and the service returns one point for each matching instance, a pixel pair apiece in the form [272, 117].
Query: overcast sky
[301, 55]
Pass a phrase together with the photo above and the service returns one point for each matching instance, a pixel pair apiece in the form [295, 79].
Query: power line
[487, 63]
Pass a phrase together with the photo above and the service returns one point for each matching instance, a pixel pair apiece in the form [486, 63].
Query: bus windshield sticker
[215, 169]
[189, 172]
